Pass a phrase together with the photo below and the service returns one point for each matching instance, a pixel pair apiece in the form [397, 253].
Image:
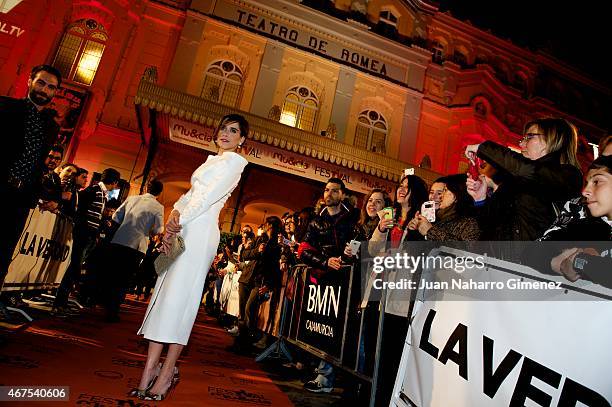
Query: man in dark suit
[27, 133]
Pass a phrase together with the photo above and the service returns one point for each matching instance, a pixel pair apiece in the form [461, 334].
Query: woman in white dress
[174, 306]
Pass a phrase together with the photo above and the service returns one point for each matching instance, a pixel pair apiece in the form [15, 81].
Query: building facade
[357, 89]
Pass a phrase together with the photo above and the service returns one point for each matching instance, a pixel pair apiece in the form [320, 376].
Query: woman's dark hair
[419, 193]
[243, 124]
[456, 184]
[276, 224]
[302, 220]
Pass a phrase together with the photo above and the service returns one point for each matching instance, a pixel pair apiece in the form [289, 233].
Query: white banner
[276, 158]
[42, 254]
[554, 352]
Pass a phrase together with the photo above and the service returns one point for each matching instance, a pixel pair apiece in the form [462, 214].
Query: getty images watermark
[405, 263]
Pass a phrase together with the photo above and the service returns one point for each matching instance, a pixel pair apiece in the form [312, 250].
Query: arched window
[300, 108]
[388, 17]
[371, 131]
[80, 51]
[439, 52]
[222, 83]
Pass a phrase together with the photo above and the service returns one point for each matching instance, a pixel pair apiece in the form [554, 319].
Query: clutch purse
[164, 261]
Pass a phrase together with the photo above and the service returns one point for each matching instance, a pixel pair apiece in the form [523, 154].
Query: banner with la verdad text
[42, 254]
[508, 353]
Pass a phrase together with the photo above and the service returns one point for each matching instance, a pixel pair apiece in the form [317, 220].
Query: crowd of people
[536, 194]
[36, 177]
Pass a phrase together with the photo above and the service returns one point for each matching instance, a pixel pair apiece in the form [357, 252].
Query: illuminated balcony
[263, 130]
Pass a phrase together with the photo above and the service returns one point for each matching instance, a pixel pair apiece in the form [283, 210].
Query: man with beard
[26, 132]
[322, 247]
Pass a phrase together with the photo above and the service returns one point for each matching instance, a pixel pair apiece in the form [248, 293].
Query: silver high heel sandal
[136, 392]
[148, 396]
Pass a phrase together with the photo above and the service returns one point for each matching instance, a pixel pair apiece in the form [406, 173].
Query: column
[267, 80]
[342, 101]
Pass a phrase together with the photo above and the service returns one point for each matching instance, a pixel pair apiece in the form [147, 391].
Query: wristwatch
[579, 263]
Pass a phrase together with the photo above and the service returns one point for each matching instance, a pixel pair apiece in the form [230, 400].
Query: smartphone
[287, 242]
[428, 210]
[386, 213]
[473, 169]
[408, 171]
[354, 245]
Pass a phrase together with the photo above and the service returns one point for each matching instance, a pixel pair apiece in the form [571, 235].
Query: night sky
[571, 31]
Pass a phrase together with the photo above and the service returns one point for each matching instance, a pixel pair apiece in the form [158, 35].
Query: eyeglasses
[55, 157]
[529, 136]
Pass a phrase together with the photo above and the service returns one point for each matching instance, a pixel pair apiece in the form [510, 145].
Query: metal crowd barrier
[319, 317]
[41, 256]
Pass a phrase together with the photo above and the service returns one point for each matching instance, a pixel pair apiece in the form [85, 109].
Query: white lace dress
[174, 306]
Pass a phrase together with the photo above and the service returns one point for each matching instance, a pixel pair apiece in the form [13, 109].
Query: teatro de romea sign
[308, 40]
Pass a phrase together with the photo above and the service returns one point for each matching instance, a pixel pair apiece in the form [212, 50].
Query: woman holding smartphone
[410, 194]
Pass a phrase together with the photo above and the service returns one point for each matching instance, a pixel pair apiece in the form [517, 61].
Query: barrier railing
[41, 256]
[320, 316]
[486, 346]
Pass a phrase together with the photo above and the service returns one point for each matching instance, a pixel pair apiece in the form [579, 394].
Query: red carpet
[101, 362]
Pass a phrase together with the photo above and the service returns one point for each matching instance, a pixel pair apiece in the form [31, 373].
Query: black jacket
[13, 114]
[522, 207]
[576, 228]
[88, 218]
[327, 237]
[263, 268]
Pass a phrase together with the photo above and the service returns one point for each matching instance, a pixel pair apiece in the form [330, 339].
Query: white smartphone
[354, 245]
[428, 210]
[408, 171]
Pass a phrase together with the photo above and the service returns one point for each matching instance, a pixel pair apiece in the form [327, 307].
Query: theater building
[355, 89]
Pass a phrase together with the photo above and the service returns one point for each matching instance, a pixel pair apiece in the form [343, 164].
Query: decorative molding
[198, 110]
[232, 53]
[309, 80]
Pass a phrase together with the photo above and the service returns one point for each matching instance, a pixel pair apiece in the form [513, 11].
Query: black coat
[522, 207]
[327, 237]
[263, 268]
[13, 114]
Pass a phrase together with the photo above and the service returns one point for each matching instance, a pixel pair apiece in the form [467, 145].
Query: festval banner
[276, 158]
[42, 254]
[552, 352]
